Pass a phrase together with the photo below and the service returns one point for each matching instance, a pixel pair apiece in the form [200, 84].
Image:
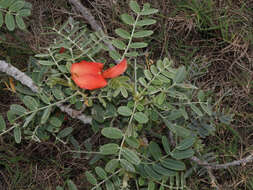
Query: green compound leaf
[119, 44]
[2, 123]
[148, 74]
[29, 119]
[127, 165]
[123, 33]
[30, 103]
[140, 117]
[90, 177]
[173, 164]
[125, 111]
[115, 55]
[151, 173]
[17, 109]
[148, 11]
[163, 171]
[17, 134]
[137, 45]
[6, 3]
[71, 185]
[133, 142]
[109, 185]
[186, 143]
[100, 172]
[46, 63]
[145, 22]
[151, 185]
[143, 33]
[17, 6]
[24, 12]
[166, 144]
[196, 110]
[127, 19]
[131, 156]
[46, 115]
[206, 108]
[20, 22]
[9, 21]
[134, 6]
[110, 148]
[155, 150]
[1, 19]
[58, 94]
[111, 166]
[180, 75]
[59, 188]
[112, 133]
[65, 132]
[55, 121]
[182, 154]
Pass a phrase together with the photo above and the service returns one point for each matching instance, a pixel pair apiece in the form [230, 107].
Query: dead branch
[89, 17]
[223, 166]
[27, 81]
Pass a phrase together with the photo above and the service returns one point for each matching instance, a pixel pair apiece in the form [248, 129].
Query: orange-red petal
[62, 50]
[84, 67]
[115, 70]
[89, 81]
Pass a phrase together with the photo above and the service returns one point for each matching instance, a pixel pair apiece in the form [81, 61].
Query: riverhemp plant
[152, 119]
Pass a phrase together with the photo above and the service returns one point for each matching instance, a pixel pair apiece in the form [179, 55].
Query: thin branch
[223, 166]
[89, 17]
[27, 81]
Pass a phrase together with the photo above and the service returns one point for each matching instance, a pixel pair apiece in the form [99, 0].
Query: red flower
[89, 75]
[62, 50]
